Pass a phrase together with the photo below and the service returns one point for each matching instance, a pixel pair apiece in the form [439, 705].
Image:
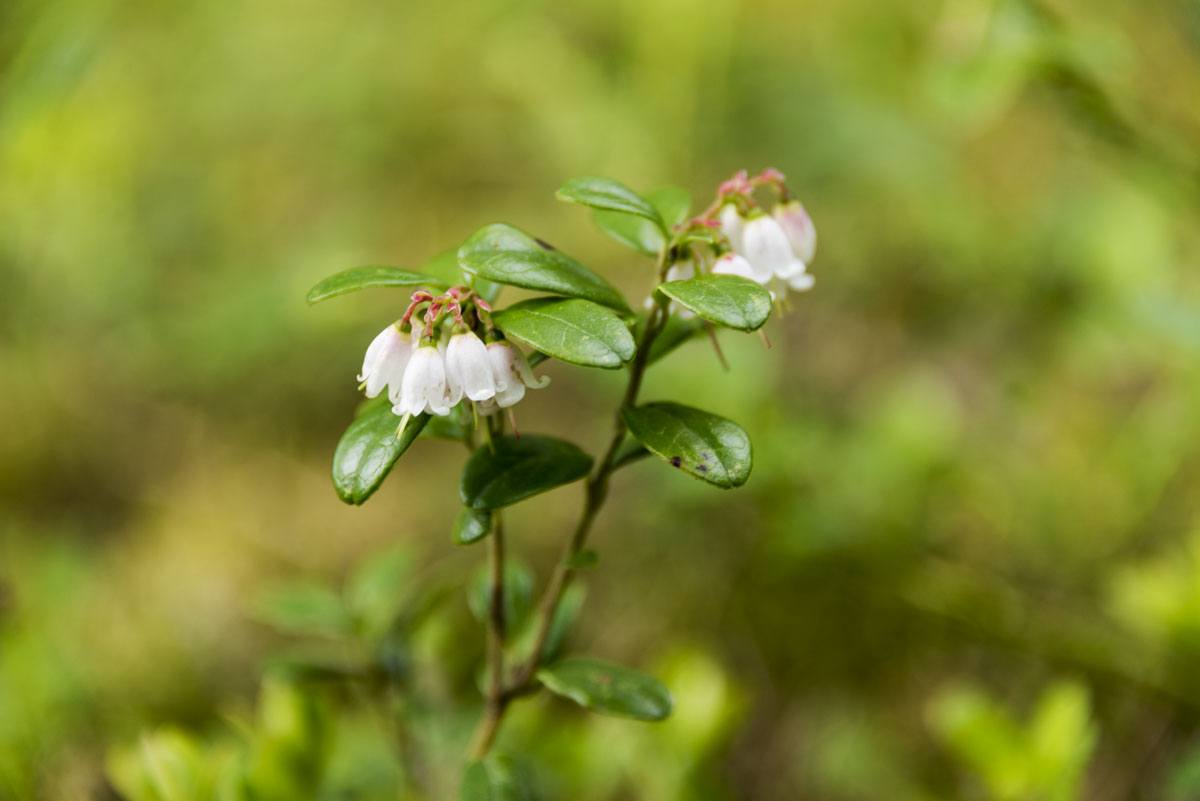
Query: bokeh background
[967, 564]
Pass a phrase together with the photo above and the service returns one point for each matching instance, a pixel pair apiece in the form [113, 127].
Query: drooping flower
[424, 387]
[387, 356]
[468, 368]
[734, 264]
[511, 374]
[798, 227]
[732, 225]
[766, 247]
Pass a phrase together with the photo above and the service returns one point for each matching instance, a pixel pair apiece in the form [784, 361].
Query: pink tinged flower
[734, 264]
[798, 226]
[387, 356]
[766, 247]
[732, 224]
[424, 387]
[511, 374]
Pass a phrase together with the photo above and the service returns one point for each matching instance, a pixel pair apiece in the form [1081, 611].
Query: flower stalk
[595, 493]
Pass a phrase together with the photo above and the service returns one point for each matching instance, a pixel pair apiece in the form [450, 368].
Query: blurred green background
[967, 564]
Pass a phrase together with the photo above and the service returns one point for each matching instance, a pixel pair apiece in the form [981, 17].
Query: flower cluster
[430, 367]
[773, 249]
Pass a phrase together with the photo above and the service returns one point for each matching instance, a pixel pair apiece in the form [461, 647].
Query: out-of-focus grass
[976, 440]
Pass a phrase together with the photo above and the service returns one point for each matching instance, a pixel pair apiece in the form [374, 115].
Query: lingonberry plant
[453, 365]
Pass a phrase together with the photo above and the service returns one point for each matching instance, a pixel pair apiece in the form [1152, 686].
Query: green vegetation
[966, 563]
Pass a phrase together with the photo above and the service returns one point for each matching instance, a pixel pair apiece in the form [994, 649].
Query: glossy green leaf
[507, 255]
[472, 525]
[702, 444]
[368, 450]
[572, 330]
[610, 195]
[727, 300]
[358, 278]
[515, 469]
[639, 233]
[672, 203]
[445, 267]
[607, 688]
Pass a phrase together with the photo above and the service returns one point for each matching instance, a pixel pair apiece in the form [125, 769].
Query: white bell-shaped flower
[766, 247]
[732, 224]
[512, 375]
[734, 264]
[798, 227]
[469, 368]
[424, 387]
[387, 356]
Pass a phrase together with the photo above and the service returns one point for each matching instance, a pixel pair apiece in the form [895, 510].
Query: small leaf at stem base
[607, 688]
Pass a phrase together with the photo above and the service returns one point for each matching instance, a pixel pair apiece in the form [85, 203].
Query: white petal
[424, 384]
[438, 396]
[732, 225]
[802, 282]
[799, 228]
[766, 247]
[412, 387]
[734, 264]
[510, 395]
[468, 362]
[385, 361]
[500, 356]
[523, 372]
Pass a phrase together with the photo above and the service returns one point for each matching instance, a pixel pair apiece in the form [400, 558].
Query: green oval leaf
[728, 300]
[472, 525]
[508, 255]
[610, 195]
[630, 230]
[607, 688]
[514, 469]
[572, 330]
[639, 233]
[445, 267]
[358, 278]
[368, 450]
[672, 203]
[702, 444]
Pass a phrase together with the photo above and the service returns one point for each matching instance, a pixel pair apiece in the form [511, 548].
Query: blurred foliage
[977, 447]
